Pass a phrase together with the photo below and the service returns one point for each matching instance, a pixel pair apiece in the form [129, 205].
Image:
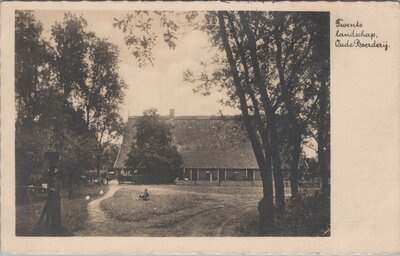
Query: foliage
[87, 66]
[153, 151]
[30, 58]
[271, 59]
[71, 46]
[143, 40]
[68, 93]
[308, 215]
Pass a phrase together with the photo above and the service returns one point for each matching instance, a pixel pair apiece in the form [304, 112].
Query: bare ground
[220, 214]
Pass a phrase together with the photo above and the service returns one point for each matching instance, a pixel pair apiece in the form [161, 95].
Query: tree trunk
[322, 133]
[266, 204]
[264, 134]
[276, 162]
[259, 80]
[288, 98]
[265, 208]
[294, 165]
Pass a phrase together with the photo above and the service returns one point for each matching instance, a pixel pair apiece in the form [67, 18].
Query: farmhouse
[214, 149]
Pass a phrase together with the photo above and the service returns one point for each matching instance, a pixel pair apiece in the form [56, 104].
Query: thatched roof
[203, 142]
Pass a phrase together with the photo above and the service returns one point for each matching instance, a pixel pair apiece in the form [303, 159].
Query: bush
[306, 215]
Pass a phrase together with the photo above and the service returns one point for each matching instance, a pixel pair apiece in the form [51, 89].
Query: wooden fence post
[50, 218]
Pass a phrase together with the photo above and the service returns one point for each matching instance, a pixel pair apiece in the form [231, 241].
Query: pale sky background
[160, 86]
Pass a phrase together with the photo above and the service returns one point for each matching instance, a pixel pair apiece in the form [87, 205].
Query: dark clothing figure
[144, 196]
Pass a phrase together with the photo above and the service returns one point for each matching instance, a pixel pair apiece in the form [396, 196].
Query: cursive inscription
[352, 34]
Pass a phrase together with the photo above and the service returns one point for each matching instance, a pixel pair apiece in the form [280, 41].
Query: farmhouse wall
[313, 184]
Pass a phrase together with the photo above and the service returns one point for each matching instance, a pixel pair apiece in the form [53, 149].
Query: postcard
[200, 127]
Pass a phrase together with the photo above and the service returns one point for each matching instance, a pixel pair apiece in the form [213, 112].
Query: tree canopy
[68, 94]
[153, 152]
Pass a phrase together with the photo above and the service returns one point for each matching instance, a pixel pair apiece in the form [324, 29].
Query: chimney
[171, 113]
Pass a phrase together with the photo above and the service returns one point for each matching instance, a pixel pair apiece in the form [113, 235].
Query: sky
[160, 86]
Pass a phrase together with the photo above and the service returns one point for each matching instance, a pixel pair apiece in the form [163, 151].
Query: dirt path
[97, 218]
[216, 216]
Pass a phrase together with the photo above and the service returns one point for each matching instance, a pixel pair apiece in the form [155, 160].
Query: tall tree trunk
[322, 133]
[265, 207]
[276, 162]
[275, 149]
[287, 97]
[294, 142]
[294, 164]
[320, 36]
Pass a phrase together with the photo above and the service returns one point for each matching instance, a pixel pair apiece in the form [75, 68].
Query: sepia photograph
[172, 123]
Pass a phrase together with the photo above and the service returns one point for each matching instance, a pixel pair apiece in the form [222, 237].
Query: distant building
[213, 149]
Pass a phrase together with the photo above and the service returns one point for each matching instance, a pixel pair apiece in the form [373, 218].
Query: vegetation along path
[173, 211]
[97, 218]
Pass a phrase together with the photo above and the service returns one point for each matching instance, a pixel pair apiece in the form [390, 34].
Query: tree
[263, 152]
[87, 67]
[292, 55]
[320, 63]
[68, 93]
[71, 45]
[153, 152]
[63, 128]
[70, 134]
[31, 56]
[277, 74]
[103, 94]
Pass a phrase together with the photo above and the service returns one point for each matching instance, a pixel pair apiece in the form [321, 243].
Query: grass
[73, 211]
[251, 192]
[304, 216]
[308, 215]
[123, 206]
[228, 190]
[186, 211]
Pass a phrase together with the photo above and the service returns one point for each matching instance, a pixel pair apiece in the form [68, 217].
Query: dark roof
[203, 142]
